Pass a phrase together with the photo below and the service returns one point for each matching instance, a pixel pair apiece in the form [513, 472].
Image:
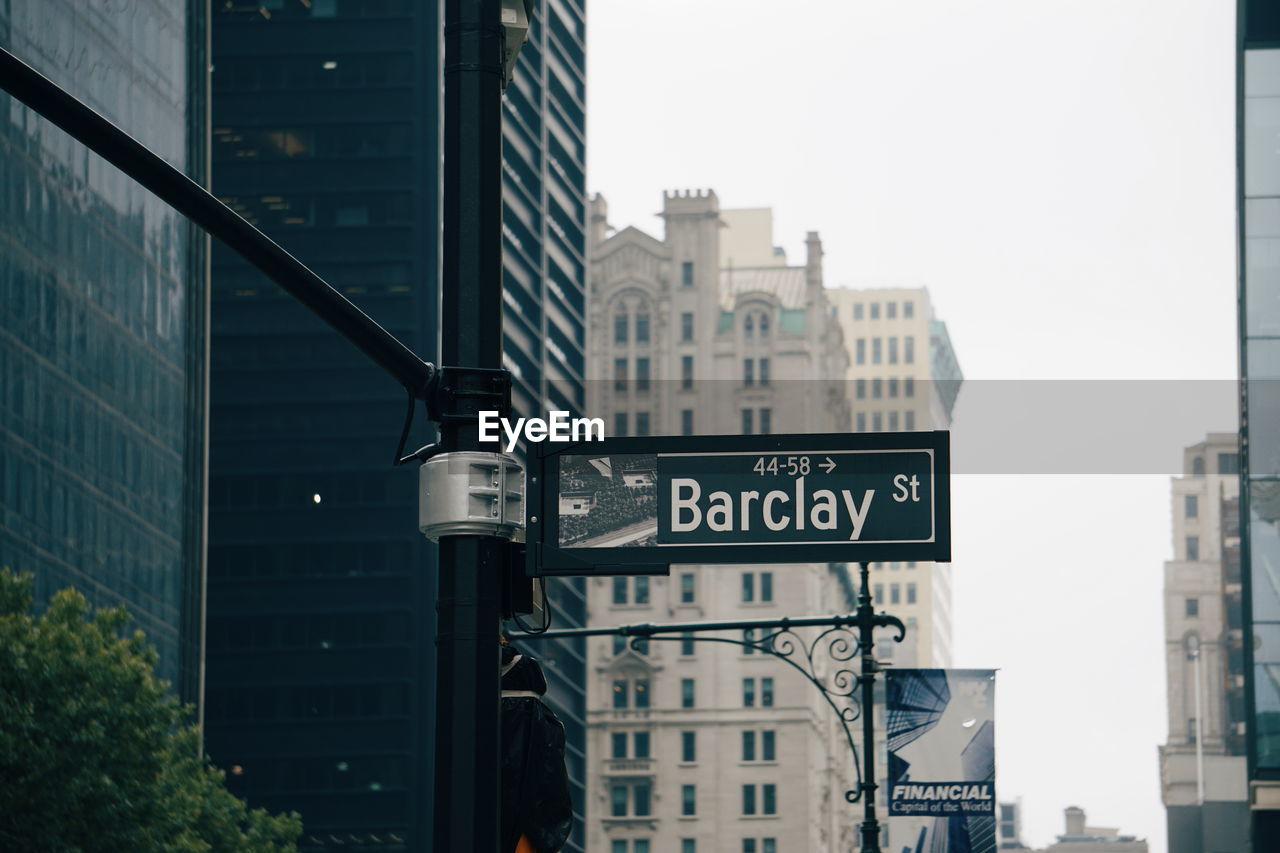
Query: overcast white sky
[1059, 174]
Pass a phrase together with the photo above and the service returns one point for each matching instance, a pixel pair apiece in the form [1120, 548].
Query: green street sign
[633, 505]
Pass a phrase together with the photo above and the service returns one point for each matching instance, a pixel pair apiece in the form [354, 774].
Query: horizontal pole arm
[650, 629]
[197, 204]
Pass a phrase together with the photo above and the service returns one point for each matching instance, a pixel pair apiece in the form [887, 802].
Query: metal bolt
[533, 518]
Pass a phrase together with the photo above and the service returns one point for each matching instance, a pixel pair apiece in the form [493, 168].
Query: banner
[940, 731]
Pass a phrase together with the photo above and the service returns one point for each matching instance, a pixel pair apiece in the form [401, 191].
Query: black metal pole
[467, 730]
[866, 639]
[193, 201]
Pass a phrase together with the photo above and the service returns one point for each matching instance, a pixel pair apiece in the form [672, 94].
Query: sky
[1059, 174]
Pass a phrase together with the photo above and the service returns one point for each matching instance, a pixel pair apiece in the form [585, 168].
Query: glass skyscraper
[1258, 115]
[326, 134]
[103, 295]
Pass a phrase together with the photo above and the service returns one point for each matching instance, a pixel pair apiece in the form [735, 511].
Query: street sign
[637, 505]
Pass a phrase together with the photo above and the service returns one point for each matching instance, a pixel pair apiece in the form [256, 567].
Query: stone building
[1202, 765]
[903, 375]
[701, 746]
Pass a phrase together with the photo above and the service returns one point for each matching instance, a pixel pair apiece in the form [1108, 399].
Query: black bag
[535, 784]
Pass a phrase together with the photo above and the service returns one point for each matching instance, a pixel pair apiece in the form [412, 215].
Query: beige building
[1080, 838]
[903, 375]
[703, 747]
[1202, 765]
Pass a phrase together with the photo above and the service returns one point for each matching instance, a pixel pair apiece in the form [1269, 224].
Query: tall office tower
[903, 375]
[1009, 826]
[326, 134]
[1258, 214]
[1202, 766]
[103, 295]
[701, 746]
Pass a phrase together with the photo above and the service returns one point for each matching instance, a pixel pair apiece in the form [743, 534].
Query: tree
[96, 754]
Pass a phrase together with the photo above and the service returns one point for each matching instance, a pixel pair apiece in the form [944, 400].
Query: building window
[640, 845]
[1228, 463]
[875, 310]
[748, 803]
[875, 351]
[686, 693]
[686, 421]
[909, 350]
[893, 387]
[860, 422]
[686, 588]
[619, 744]
[642, 692]
[766, 586]
[877, 388]
[748, 745]
[893, 350]
[764, 371]
[642, 589]
[688, 845]
[860, 350]
[686, 372]
[893, 421]
[909, 387]
[895, 593]
[620, 329]
[688, 800]
[1197, 466]
[910, 419]
[1191, 730]
[620, 423]
[620, 693]
[686, 326]
[749, 326]
[877, 421]
[769, 799]
[748, 692]
[748, 371]
[768, 743]
[746, 422]
[641, 794]
[878, 593]
[861, 386]
[642, 328]
[619, 374]
[686, 644]
[640, 741]
[686, 274]
[642, 374]
[911, 593]
[642, 423]
[891, 310]
[748, 636]
[857, 310]
[619, 644]
[1192, 607]
[618, 806]
[748, 586]
[1191, 506]
[908, 309]
[689, 746]
[766, 421]
[764, 325]
[619, 589]
[766, 693]
[748, 844]
[1193, 548]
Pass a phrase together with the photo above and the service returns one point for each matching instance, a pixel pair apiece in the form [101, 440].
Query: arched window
[749, 326]
[764, 325]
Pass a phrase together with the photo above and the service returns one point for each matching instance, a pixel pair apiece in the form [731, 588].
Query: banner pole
[867, 680]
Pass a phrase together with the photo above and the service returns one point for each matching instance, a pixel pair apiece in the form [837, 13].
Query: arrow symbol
[828, 466]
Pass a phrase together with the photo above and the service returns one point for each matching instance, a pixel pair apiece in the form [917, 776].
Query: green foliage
[95, 753]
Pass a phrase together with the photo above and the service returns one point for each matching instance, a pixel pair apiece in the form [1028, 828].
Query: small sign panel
[645, 503]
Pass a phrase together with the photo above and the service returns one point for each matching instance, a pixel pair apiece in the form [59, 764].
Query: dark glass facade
[1258, 114]
[103, 295]
[326, 134]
